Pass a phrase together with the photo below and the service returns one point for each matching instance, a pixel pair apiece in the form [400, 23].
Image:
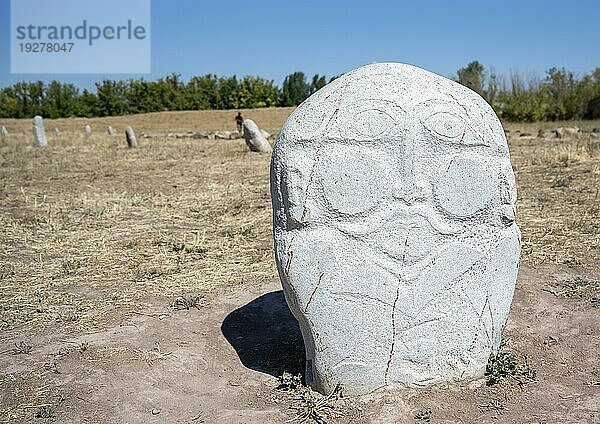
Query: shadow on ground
[266, 336]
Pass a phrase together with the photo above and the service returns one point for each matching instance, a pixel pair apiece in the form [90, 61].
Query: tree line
[557, 96]
[171, 93]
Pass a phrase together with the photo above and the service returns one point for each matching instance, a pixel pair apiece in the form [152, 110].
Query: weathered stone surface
[110, 130]
[265, 134]
[87, 129]
[254, 139]
[198, 135]
[39, 133]
[224, 135]
[394, 225]
[130, 137]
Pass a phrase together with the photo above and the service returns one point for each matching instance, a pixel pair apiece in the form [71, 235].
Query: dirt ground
[139, 286]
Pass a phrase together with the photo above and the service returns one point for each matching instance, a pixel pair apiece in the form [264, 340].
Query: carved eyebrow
[453, 108]
[388, 110]
[439, 105]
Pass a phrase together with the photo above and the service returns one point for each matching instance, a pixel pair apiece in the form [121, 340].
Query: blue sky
[274, 38]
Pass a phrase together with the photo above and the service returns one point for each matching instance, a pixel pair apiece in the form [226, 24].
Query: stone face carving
[394, 225]
[39, 133]
[130, 136]
[254, 139]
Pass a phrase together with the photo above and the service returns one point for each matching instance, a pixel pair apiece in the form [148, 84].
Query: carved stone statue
[394, 225]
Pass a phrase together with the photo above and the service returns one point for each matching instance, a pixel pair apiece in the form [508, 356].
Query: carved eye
[446, 125]
[370, 119]
[371, 123]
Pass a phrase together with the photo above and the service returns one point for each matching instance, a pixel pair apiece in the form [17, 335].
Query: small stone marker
[265, 134]
[394, 225]
[567, 132]
[39, 133]
[130, 136]
[57, 131]
[254, 139]
[110, 130]
[88, 129]
[222, 135]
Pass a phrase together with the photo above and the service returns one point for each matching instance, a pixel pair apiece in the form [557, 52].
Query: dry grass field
[118, 268]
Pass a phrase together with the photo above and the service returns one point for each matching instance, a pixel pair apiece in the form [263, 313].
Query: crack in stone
[405, 246]
[459, 103]
[491, 318]
[286, 270]
[449, 286]
[480, 319]
[415, 325]
[486, 303]
[486, 121]
[308, 184]
[341, 361]
[481, 138]
[462, 137]
[290, 255]
[391, 355]
[360, 297]
[315, 163]
[473, 343]
[314, 291]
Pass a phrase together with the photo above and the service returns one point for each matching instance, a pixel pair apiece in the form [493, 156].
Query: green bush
[559, 96]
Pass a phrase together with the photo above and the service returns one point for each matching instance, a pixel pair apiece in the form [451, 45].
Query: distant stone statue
[39, 133]
[254, 139]
[239, 122]
[130, 137]
[110, 130]
[567, 132]
[88, 130]
[394, 225]
[265, 134]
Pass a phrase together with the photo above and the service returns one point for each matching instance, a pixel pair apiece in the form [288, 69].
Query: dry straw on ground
[558, 207]
[89, 227]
